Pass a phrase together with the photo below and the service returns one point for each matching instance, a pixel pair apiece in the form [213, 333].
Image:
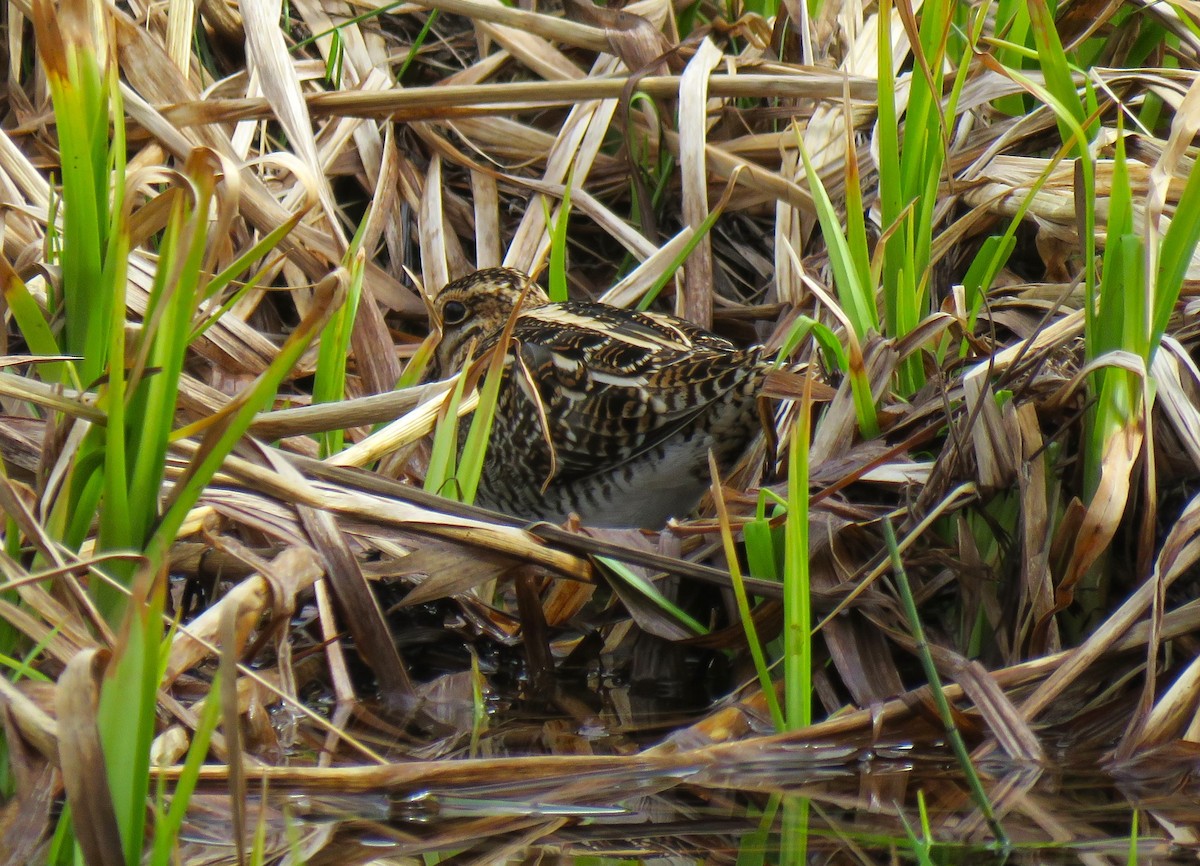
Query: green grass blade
[470, 462]
[163, 345]
[652, 593]
[418, 43]
[221, 438]
[704, 228]
[953, 735]
[1054, 66]
[127, 712]
[1179, 241]
[743, 601]
[797, 601]
[34, 328]
[443, 455]
[759, 539]
[557, 289]
[1013, 25]
[857, 298]
[794, 830]
[329, 383]
[166, 830]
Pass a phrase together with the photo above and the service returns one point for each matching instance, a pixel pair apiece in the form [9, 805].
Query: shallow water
[632, 758]
[751, 802]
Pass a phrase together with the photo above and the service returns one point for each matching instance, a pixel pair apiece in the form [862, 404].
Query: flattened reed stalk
[999, 289]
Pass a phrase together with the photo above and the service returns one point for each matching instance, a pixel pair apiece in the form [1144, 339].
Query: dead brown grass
[366, 707]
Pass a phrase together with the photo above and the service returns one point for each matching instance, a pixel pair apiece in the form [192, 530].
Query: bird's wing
[612, 384]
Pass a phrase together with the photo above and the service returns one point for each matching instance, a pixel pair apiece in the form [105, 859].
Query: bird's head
[476, 306]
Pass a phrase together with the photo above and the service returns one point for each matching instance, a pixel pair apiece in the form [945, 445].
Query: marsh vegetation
[944, 613]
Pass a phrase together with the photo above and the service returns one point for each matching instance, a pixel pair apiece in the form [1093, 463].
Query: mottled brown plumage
[604, 412]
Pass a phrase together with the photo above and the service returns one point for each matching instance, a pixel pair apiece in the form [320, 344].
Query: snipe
[604, 412]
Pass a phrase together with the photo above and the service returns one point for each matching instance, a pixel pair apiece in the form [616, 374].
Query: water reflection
[756, 801]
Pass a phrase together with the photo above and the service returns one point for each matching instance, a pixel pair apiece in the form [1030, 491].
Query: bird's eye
[454, 312]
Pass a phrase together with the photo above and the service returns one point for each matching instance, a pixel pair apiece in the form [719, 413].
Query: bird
[605, 413]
